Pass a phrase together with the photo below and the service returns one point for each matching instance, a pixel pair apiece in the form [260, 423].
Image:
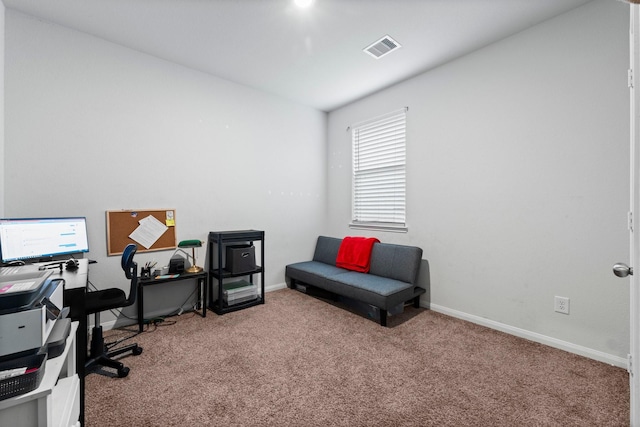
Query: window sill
[380, 227]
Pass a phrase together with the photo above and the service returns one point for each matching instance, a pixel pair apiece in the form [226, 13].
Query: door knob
[622, 270]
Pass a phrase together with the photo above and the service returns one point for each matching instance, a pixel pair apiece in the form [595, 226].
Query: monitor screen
[41, 239]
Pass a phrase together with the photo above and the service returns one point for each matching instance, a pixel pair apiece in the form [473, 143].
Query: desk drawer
[66, 401]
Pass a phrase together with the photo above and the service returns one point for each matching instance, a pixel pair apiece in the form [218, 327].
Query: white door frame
[634, 283]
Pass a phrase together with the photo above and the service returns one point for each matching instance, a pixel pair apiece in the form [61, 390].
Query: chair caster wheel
[123, 372]
[137, 351]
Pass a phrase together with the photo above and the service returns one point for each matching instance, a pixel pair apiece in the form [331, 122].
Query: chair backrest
[130, 268]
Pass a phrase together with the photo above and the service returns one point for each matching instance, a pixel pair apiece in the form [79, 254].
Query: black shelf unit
[216, 245]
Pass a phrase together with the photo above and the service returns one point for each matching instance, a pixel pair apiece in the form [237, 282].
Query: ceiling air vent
[382, 47]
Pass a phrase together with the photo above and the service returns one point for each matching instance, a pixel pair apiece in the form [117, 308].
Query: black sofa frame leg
[383, 317]
[416, 302]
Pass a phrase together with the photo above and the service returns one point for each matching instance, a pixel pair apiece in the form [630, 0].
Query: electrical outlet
[561, 305]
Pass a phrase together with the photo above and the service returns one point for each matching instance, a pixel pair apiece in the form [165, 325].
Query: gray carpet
[299, 361]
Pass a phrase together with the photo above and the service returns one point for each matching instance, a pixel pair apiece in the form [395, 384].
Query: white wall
[92, 126]
[518, 179]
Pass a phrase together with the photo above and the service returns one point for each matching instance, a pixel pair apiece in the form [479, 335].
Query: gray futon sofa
[391, 279]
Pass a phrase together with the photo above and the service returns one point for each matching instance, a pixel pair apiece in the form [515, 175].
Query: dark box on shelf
[241, 259]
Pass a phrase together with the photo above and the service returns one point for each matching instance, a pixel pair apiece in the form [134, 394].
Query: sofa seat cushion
[312, 272]
[375, 290]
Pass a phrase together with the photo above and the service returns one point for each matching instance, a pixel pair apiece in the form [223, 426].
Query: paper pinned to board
[171, 219]
[149, 231]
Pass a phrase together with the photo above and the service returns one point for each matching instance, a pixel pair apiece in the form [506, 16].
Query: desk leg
[140, 307]
[81, 358]
[203, 285]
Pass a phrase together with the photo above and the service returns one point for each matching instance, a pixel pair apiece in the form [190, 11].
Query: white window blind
[379, 183]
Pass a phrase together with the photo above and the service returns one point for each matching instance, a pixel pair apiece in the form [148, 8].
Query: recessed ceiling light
[303, 3]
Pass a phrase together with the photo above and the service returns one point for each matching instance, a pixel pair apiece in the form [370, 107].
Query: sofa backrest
[397, 262]
[327, 250]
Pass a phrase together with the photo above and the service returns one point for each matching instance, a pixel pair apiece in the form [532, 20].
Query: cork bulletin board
[122, 223]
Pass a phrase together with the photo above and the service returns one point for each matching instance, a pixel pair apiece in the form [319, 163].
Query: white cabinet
[56, 402]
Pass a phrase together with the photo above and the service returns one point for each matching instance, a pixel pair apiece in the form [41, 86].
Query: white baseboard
[111, 324]
[106, 325]
[533, 336]
[275, 287]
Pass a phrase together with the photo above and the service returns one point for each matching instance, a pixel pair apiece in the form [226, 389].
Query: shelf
[236, 236]
[216, 246]
[227, 274]
[235, 307]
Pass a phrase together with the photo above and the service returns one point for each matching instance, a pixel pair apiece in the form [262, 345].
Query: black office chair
[107, 299]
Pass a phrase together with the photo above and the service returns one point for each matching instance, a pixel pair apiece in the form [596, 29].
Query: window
[379, 183]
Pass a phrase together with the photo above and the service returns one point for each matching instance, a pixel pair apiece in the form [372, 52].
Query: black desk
[202, 291]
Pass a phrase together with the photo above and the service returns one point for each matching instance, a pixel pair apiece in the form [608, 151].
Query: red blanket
[355, 253]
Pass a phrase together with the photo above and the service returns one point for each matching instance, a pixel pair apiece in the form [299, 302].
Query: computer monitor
[42, 239]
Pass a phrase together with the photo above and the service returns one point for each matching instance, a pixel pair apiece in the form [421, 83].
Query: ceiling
[312, 56]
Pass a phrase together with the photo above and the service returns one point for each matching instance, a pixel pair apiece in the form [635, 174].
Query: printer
[30, 304]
